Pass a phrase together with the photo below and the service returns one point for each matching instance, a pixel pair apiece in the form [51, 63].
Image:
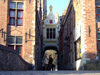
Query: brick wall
[90, 28]
[80, 23]
[28, 27]
[3, 19]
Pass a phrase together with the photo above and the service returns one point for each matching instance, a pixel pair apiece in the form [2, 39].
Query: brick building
[20, 25]
[80, 34]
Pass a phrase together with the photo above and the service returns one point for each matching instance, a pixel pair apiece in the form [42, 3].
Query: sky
[58, 6]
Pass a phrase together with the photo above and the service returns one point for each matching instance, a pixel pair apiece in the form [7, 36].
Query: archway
[51, 51]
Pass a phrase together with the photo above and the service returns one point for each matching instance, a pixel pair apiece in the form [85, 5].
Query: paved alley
[49, 72]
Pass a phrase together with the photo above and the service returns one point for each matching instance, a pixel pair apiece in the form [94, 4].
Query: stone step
[49, 72]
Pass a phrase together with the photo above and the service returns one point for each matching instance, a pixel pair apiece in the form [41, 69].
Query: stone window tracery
[51, 33]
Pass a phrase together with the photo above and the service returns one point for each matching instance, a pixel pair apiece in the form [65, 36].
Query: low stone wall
[92, 65]
[10, 60]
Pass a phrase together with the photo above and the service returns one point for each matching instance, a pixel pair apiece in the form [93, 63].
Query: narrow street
[50, 73]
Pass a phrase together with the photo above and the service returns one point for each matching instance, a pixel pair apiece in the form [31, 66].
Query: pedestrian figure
[53, 67]
[45, 62]
[50, 62]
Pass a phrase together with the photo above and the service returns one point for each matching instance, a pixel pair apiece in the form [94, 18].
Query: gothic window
[54, 33]
[47, 33]
[15, 42]
[51, 33]
[15, 13]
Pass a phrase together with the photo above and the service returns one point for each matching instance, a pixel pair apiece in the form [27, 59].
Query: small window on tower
[50, 21]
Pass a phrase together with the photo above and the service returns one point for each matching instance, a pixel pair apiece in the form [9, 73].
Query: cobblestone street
[49, 72]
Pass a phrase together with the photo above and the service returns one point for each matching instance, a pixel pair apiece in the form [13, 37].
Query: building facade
[50, 36]
[50, 30]
[80, 33]
[20, 21]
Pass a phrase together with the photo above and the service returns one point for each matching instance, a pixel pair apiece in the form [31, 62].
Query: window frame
[54, 33]
[98, 40]
[21, 49]
[47, 33]
[97, 1]
[15, 44]
[16, 14]
[12, 17]
[50, 35]
[97, 45]
[19, 17]
[15, 40]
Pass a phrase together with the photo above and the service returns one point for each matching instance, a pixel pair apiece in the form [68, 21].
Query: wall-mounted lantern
[89, 29]
[26, 37]
[3, 34]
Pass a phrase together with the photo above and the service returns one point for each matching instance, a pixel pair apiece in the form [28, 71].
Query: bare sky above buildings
[58, 5]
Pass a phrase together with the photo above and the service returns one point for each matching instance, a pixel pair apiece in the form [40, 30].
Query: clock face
[50, 21]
